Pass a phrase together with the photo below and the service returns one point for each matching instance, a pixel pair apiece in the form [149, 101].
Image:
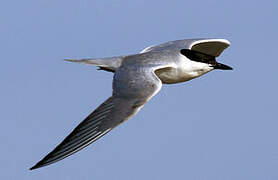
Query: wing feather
[132, 88]
[213, 47]
[88, 131]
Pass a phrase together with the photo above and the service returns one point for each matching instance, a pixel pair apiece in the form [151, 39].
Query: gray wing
[131, 90]
[213, 47]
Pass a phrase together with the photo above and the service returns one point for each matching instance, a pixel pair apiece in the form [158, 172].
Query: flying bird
[137, 78]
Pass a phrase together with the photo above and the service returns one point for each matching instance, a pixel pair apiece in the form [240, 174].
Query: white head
[198, 63]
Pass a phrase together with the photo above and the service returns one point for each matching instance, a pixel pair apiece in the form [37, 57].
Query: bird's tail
[108, 64]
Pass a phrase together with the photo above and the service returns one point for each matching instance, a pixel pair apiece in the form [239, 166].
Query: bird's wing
[213, 47]
[131, 90]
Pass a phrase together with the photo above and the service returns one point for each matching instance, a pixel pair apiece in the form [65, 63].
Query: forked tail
[107, 64]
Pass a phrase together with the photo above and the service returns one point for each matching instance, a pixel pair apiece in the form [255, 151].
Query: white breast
[185, 71]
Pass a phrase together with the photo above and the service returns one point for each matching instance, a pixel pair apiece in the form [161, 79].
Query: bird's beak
[222, 66]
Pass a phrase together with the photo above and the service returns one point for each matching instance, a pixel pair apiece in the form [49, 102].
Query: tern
[137, 78]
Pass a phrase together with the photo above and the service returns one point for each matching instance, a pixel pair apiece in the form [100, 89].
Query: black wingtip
[34, 167]
[38, 165]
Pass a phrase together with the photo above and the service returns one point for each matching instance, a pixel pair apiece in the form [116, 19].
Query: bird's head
[207, 60]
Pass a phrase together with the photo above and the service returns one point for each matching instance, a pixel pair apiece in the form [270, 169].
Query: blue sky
[222, 126]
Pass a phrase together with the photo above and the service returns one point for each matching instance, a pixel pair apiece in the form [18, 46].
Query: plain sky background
[222, 126]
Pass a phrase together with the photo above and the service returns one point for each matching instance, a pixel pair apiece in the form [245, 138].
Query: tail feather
[104, 63]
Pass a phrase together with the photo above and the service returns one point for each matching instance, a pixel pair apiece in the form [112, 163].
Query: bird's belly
[171, 76]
